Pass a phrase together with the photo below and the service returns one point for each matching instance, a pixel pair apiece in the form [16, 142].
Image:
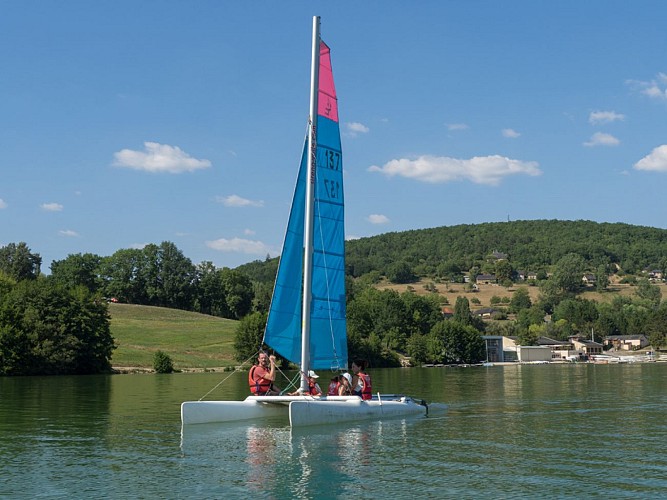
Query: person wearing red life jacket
[333, 386]
[361, 383]
[313, 386]
[261, 376]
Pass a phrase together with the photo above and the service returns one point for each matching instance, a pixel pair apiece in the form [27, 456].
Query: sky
[126, 123]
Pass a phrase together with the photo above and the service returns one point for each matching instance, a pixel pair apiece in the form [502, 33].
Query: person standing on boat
[361, 382]
[261, 376]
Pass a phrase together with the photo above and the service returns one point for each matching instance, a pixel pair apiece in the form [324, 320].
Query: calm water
[514, 431]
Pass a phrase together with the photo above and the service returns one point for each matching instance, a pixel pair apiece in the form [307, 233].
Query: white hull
[303, 410]
[253, 407]
[304, 413]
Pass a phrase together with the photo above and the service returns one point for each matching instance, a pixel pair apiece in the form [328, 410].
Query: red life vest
[366, 390]
[312, 388]
[333, 389]
[259, 385]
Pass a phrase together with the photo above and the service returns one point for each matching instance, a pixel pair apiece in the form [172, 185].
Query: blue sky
[125, 123]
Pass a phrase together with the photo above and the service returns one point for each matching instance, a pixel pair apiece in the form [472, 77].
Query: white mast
[310, 196]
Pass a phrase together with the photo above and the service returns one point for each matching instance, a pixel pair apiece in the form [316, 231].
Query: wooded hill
[533, 245]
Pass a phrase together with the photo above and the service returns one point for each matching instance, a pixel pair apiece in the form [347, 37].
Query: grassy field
[191, 340]
[198, 341]
[453, 290]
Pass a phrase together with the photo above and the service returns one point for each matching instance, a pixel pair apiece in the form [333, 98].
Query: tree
[460, 343]
[422, 312]
[462, 312]
[568, 273]
[520, 300]
[18, 262]
[648, 292]
[601, 278]
[238, 292]
[162, 362]
[123, 276]
[580, 313]
[46, 329]
[416, 349]
[504, 271]
[77, 269]
[211, 297]
[530, 335]
[656, 327]
[400, 272]
[248, 336]
[169, 276]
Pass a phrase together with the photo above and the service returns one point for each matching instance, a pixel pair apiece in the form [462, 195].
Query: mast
[310, 196]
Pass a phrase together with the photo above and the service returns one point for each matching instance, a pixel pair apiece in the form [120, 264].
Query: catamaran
[306, 323]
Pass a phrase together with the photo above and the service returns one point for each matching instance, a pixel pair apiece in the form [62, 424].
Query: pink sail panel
[327, 101]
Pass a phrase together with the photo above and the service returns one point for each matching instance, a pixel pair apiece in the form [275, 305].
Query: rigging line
[237, 369]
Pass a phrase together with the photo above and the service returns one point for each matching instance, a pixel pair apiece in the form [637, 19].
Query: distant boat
[307, 322]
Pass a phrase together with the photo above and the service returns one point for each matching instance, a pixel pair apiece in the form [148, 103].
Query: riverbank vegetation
[418, 295]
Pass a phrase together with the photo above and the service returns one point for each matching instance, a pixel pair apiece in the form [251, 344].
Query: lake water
[510, 431]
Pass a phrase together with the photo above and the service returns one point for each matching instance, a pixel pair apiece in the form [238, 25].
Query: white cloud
[655, 88]
[236, 201]
[437, 169]
[656, 161]
[378, 219]
[353, 129]
[598, 117]
[52, 207]
[248, 232]
[239, 245]
[138, 246]
[602, 139]
[3, 204]
[69, 233]
[510, 133]
[457, 126]
[159, 158]
[357, 127]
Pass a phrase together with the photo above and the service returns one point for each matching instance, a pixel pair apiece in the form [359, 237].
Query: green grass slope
[191, 340]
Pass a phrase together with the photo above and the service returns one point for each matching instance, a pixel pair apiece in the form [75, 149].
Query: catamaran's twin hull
[302, 410]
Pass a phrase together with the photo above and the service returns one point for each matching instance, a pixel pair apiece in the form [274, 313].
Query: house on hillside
[486, 279]
[655, 275]
[485, 312]
[589, 279]
[447, 312]
[626, 342]
[496, 255]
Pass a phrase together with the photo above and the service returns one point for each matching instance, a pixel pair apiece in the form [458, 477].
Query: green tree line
[385, 325]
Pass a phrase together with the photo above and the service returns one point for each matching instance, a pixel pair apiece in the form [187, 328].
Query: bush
[162, 363]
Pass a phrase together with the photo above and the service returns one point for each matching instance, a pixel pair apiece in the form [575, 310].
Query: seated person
[261, 377]
[313, 387]
[345, 387]
[333, 386]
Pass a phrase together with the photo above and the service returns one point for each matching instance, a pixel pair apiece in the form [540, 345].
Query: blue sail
[328, 330]
[283, 328]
